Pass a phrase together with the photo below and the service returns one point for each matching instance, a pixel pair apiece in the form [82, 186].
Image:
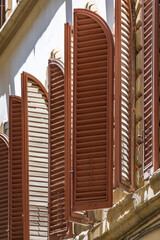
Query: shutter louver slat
[150, 26]
[58, 226]
[15, 152]
[35, 158]
[93, 113]
[4, 189]
[78, 217]
[123, 96]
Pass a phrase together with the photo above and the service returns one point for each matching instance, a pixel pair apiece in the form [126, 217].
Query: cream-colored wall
[29, 50]
[155, 235]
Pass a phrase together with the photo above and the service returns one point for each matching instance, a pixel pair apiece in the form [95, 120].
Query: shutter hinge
[71, 171]
[133, 109]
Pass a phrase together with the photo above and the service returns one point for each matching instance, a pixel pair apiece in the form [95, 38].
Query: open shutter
[93, 112]
[15, 154]
[58, 226]
[35, 157]
[150, 26]
[2, 12]
[78, 217]
[4, 193]
[123, 93]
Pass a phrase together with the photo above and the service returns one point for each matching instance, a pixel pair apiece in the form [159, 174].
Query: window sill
[130, 216]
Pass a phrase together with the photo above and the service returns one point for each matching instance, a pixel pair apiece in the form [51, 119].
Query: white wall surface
[30, 48]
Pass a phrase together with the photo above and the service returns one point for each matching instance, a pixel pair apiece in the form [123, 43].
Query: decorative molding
[92, 6]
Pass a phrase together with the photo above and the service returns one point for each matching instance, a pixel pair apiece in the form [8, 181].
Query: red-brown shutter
[15, 178]
[93, 112]
[79, 217]
[4, 193]
[2, 12]
[150, 28]
[58, 226]
[123, 93]
[35, 158]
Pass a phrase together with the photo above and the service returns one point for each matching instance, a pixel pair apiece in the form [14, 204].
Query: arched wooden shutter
[15, 178]
[35, 157]
[150, 28]
[58, 226]
[93, 112]
[4, 193]
[78, 217]
[123, 93]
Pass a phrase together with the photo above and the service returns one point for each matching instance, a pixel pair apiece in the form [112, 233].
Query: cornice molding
[14, 22]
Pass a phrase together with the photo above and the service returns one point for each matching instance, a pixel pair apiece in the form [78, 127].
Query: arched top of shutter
[4, 139]
[93, 112]
[4, 190]
[26, 76]
[81, 14]
[123, 92]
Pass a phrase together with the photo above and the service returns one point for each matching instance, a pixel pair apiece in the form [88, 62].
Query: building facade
[86, 74]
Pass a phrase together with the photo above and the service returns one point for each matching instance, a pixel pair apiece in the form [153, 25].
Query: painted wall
[30, 48]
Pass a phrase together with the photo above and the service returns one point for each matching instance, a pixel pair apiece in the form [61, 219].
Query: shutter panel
[123, 93]
[79, 217]
[93, 112]
[35, 157]
[150, 28]
[4, 193]
[15, 152]
[2, 12]
[58, 226]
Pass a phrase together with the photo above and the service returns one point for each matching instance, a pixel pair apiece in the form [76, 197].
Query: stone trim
[130, 213]
[14, 22]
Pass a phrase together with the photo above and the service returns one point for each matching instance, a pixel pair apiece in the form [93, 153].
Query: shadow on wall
[23, 45]
[110, 12]
[69, 14]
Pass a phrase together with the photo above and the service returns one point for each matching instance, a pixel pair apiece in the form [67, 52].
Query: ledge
[129, 213]
[14, 22]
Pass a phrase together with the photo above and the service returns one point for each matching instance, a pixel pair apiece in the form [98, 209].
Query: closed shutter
[35, 157]
[123, 93]
[150, 28]
[15, 153]
[93, 112]
[79, 217]
[4, 193]
[58, 226]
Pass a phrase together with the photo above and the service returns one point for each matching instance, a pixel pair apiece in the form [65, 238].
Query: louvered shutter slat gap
[150, 26]
[57, 222]
[35, 106]
[123, 82]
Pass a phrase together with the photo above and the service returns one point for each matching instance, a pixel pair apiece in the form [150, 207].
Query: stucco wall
[29, 50]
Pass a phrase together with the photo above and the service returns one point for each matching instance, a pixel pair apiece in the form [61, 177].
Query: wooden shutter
[2, 12]
[58, 226]
[35, 157]
[150, 28]
[78, 217]
[123, 93]
[15, 178]
[93, 112]
[4, 193]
